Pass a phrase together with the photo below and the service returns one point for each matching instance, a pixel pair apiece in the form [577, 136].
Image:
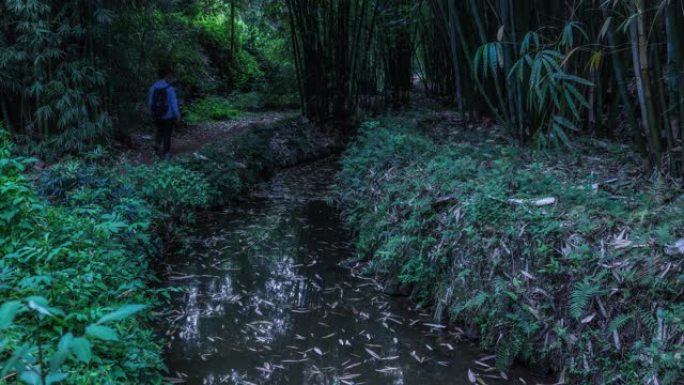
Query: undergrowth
[78, 240]
[233, 165]
[75, 269]
[211, 109]
[589, 285]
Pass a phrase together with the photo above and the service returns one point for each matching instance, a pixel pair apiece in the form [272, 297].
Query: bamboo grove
[74, 73]
[546, 70]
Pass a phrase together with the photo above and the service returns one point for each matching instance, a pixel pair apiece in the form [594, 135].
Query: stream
[266, 302]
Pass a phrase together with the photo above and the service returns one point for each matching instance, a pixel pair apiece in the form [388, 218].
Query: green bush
[587, 285]
[76, 252]
[209, 109]
[174, 192]
[67, 274]
[230, 166]
[248, 101]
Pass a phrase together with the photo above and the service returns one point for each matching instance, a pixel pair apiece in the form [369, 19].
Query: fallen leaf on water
[349, 376]
[351, 366]
[435, 326]
[373, 354]
[386, 369]
[482, 364]
[471, 377]
[417, 357]
[174, 380]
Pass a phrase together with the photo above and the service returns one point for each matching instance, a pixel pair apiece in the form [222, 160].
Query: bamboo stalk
[643, 81]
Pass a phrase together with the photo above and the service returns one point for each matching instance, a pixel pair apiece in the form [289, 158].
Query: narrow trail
[188, 139]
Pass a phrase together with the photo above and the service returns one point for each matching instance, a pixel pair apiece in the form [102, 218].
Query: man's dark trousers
[164, 130]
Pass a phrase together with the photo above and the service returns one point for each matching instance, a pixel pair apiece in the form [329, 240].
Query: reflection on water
[266, 302]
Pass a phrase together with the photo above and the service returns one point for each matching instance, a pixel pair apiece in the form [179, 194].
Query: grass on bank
[211, 109]
[588, 283]
[217, 108]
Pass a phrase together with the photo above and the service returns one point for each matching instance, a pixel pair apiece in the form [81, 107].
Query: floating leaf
[471, 376]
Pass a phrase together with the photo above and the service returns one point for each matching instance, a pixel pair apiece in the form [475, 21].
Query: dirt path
[192, 138]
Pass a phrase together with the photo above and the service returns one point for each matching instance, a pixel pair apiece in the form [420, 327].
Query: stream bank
[570, 261]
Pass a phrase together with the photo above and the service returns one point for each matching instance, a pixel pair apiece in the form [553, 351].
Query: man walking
[163, 104]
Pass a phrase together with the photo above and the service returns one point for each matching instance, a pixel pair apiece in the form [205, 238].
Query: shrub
[174, 191]
[67, 274]
[210, 109]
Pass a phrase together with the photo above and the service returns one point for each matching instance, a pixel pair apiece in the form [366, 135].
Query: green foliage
[555, 98]
[174, 191]
[74, 76]
[583, 284]
[77, 240]
[210, 109]
[232, 165]
[55, 94]
[68, 272]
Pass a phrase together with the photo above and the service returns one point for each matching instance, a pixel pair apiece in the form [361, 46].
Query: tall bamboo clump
[51, 79]
[330, 42]
[550, 70]
[62, 64]
[395, 45]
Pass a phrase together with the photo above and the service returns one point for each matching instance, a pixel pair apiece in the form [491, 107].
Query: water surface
[267, 302]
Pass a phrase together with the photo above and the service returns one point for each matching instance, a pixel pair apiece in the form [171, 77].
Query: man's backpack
[160, 103]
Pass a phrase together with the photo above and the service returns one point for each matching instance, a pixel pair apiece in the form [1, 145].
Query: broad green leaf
[558, 131]
[571, 103]
[8, 311]
[62, 352]
[54, 378]
[121, 313]
[81, 349]
[31, 378]
[102, 332]
[578, 96]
